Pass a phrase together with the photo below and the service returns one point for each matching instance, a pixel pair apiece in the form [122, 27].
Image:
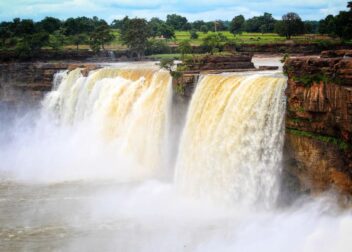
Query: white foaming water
[81, 177]
[110, 119]
[231, 147]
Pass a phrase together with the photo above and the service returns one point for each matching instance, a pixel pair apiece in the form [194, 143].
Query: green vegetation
[308, 80]
[339, 25]
[237, 24]
[168, 64]
[326, 139]
[134, 34]
[142, 36]
[290, 25]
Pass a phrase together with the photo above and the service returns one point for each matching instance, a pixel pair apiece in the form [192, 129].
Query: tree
[81, 25]
[221, 25]
[290, 25]
[184, 48]
[166, 31]
[135, 34]
[204, 29]
[49, 24]
[79, 39]
[193, 34]
[328, 25]
[311, 27]
[213, 42]
[116, 24]
[343, 23]
[157, 46]
[31, 44]
[5, 32]
[159, 28]
[102, 34]
[177, 22]
[23, 27]
[265, 23]
[197, 25]
[56, 40]
[237, 24]
[154, 26]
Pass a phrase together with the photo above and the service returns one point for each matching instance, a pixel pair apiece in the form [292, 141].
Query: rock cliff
[25, 83]
[319, 121]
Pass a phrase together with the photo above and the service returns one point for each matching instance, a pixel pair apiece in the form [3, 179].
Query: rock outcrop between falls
[319, 121]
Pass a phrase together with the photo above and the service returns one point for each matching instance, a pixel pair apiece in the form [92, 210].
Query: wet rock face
[318, 165]
[26, 83]
[319, 121]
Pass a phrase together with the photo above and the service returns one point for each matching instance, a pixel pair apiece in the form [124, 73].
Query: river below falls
[150, 216]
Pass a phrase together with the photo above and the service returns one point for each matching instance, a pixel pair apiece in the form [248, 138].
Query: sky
[193, 9]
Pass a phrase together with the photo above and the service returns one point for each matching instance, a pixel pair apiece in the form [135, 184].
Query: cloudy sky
[192, 9]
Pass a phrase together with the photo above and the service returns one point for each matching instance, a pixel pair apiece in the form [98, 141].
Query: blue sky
[192, 9]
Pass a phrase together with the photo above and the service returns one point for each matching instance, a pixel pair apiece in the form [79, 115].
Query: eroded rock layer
[319, 121]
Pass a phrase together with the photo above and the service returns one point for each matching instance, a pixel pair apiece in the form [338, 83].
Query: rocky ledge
[218, 62]
[318, 150]
[27, 82]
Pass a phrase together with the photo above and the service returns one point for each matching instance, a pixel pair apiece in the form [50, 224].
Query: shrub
[193, 34]
[157, 46]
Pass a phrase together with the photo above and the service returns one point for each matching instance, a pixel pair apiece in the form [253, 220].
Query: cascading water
[232, 142]
[126, 107]
[81, 177]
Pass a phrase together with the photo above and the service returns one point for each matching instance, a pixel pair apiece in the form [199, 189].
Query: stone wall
[319, 121]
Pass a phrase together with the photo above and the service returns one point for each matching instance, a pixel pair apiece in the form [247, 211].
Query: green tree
[193, 34]
[264, 23]
[79, 39]
[159, 28]
[116, 24]
[157, 46]
[166, 31]
[80, 25]
[5, 33]
[135, 34]
[214, 42]
[24, 27]
[177, 22]
[49, 24]
[197, 25]
[102, 34]
[154, 26]
[311, 27]
[343, 23]
[328, 25]
[204, 29]
[31, 44]
[237, 24]
[291, 25]
[184, 47]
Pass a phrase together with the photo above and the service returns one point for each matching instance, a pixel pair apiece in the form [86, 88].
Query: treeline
[339, 25]
[27, 37]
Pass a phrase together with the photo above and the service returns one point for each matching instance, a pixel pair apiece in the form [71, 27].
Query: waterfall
[231, 145]
[128, 108]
